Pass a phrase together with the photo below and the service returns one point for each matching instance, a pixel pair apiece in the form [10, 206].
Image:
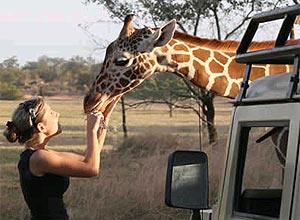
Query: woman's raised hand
[93, 121]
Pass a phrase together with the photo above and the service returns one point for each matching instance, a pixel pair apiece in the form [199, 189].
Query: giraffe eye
[121, 61]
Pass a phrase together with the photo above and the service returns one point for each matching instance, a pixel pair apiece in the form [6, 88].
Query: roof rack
[279, 54]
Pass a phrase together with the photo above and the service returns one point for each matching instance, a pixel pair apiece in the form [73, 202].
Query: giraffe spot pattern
[143, 68]
[257, 72]
[184, 70]
[100, 79]
[152, 62]
[132, 77]
[102, 86]
[127, 73]
[201, 77]
[215, 67]
[235, 70]
[148, 66]
[98, 88]
[124, 82]
[181, 47]
[135, 83]
[220, 84]
[200, 53]
[220, 57]
[164, 49]
[171, 43]
[181, 58]
[279, 69]
[234, 90]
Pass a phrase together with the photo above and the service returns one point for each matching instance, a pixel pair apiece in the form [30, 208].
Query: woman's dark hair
[24, 120]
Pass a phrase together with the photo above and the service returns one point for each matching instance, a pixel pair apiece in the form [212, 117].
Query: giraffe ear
[128, 28]
[164, 34]
[158, 38]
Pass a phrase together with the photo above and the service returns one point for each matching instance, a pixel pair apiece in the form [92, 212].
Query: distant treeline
[46, 76]
[56, 76]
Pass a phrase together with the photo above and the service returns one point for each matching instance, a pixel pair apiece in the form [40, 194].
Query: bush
[10, 92]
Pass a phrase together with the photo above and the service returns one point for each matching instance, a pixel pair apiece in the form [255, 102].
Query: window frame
[244, 131]
[270, 113]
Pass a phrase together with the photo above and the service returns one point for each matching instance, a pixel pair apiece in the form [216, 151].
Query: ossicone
[128, 28]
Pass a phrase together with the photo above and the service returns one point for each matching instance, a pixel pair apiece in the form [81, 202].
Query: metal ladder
[279, 54]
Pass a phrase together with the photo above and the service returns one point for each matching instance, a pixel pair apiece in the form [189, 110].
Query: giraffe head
[129, 60]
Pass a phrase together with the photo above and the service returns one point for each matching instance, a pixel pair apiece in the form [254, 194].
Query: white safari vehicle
[261, 173]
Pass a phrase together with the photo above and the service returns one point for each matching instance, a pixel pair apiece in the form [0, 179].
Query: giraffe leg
[268, 134]
[279, 137]
[280, 140]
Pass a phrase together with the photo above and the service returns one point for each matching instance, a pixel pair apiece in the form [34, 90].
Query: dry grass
[132, 182]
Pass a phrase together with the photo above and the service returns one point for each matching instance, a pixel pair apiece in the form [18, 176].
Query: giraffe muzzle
[93, 102]
[98, 102]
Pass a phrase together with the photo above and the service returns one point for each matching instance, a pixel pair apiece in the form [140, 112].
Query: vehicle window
[261, 163]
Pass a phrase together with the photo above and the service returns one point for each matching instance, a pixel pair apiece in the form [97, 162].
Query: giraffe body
[139, 53]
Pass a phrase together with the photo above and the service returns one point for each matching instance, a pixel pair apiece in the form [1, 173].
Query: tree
[13, 76]
[11, 79]
[218, 17]
[11, 62]
[77, 73]
[163, 89]
[10, 92]
[46, 68]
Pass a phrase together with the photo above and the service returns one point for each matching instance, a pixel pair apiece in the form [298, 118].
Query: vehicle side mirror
[187, 181]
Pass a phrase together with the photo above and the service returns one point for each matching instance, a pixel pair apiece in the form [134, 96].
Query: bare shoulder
[42, 160]
[41, 155]
[69, 155]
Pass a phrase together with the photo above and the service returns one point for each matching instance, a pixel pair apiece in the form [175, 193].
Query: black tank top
[43, 195]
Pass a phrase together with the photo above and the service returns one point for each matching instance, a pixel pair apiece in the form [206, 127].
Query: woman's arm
[70, 155]
[43, 161]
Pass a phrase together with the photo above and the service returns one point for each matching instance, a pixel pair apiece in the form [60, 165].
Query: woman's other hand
[106, 116]
[93, 121]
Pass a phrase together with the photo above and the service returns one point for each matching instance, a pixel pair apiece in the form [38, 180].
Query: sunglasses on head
[29, 107]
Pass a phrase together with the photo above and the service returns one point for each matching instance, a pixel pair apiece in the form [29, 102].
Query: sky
[33, 28]
[30, 29]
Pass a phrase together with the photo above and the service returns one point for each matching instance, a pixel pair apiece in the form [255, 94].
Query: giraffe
[139, 53]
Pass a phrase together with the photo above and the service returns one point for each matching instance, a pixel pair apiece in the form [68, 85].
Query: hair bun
[11, 133]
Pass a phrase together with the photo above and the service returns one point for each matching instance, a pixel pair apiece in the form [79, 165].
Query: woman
[44, 174]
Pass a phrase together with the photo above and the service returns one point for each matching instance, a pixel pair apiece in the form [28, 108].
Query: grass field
[132, 179]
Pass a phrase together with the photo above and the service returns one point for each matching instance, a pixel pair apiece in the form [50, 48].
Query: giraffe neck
[210, 64]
